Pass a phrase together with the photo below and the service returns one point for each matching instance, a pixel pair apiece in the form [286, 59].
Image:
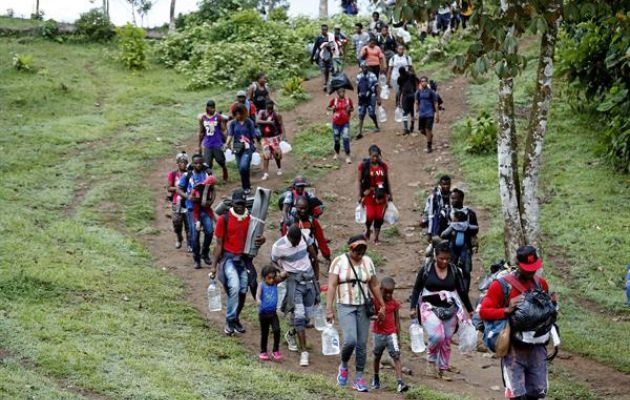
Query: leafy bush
[50, 29]
[279, 14]
[39, 16]
[293, 88]
[480, 134]
[132, 46]
[95, 26]
[23, 63]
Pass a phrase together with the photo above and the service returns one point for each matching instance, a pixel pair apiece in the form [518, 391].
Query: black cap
[210, 103]
[239, 196]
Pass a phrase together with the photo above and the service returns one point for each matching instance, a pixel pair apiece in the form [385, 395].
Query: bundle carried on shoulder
[339, 81]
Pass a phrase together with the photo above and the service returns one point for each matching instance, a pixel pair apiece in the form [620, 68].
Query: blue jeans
[367, 106]
[243, 162]
[237, 283]
[208, 229]
[342, 132]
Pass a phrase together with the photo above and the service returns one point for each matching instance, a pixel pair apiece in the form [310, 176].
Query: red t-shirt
[234, 241]
[341, 116]
[377, 174]
[173, 180]
[493, 305]
[388, 325]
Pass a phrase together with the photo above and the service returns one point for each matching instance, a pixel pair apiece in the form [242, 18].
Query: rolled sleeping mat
[258, 215]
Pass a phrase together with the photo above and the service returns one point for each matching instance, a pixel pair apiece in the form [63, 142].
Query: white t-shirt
[291, 259]
[396, 62]
[347, 293]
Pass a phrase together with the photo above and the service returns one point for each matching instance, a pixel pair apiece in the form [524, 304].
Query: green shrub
[279, 14]
[132, 46]
[23, 63]
[293, 88]
[50, 29]
[95, 26]
[480, 134]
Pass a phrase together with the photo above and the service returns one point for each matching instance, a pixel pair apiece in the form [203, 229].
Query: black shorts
[425, 123]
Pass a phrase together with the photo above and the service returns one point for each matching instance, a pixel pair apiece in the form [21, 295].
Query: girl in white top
[400, 59]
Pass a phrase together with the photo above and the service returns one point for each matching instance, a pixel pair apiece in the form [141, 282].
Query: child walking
[267, 299]
[341, 107]
[387, 334]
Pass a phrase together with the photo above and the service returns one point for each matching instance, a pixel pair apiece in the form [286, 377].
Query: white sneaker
[348, 160]
[291, 342]
[304, 359]
[265, 176]
[279, 172]
[336, 156]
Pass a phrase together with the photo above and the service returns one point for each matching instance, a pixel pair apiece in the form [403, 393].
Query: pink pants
[440, 334]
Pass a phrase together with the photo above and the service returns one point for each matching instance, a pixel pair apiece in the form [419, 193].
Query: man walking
[428, 111]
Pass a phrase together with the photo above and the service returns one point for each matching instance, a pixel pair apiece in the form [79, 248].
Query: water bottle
[320, 318]
[385, 93]
[382, 116]
[330, 341]
[417, 337]
[282, 291]
[382, 80]
[214, 296]
[398, 115]
[628, 285]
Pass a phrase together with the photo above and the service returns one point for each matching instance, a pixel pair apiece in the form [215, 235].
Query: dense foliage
[233, 49]
[480, 134]
[95, 26]
[594, 55]
[132, 46]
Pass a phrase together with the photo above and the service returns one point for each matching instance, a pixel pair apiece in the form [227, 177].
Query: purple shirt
[212, 125]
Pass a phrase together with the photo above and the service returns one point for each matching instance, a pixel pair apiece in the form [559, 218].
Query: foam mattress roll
[259, 211]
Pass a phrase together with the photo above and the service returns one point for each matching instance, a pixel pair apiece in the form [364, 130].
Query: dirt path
[412, 171]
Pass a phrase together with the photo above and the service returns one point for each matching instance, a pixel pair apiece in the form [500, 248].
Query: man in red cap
[524, 367]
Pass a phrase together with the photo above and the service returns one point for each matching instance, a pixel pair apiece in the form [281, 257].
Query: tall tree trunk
[105, 10]
[537, 127]
[508, 170]
[37, 8]
[171, 24]
[323, 8]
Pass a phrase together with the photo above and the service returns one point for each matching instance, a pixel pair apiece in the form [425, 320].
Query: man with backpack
[528, 323]
[236, 269]
[305, 219]
[368, 91]
[359, 39]
[341, 107]
[387, 43]
[187, 187]
[437, 209]
[428, 111]
[324, 51]
[212, 137]
[289, 201]
[241, 98]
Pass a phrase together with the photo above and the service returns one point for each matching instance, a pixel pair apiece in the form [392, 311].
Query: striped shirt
[347, 293]
[291, 258]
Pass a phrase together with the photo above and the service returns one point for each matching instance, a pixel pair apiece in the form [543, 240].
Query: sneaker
[376, 383]
[342, 376]
[360, 136]
[264, 356]
[336, 156]
[198, 226]
[304, 359]
[376, 130]
[228, 329]
[207, 260]
[348, 160]
[402, 387]
[238, 327]
[279, 172]
[247, 191]
[359, 385]
[265, 176]
[428, 150]
[178, 244]
[197, 264]
[441, 375]
[188, 249]
[291, 341]
[277, 356]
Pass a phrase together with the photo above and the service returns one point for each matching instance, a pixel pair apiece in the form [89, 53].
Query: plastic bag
[382, 116]
[391, 214]
[360, 215]
[398, 115]
[385, 93]
[339, 81]
[285, 147]
[467, 337]
[229, 155]
[256, 160]
[536, 312]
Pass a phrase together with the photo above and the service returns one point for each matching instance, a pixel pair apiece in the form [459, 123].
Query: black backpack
[364, 89]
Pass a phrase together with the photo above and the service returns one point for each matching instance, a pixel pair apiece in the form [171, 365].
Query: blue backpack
[492, 329]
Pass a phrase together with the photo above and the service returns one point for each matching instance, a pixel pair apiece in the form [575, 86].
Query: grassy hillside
[586, 229]
[81, 309]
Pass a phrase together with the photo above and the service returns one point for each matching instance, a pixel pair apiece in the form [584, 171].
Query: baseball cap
[299, 181]
[241, 93]
[181, 157]
[210, 103]
[527, 259]
[239, 197]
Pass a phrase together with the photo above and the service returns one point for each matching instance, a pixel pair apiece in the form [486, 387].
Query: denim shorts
[390, 341]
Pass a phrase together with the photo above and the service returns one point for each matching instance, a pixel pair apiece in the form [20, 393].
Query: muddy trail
[412, 175]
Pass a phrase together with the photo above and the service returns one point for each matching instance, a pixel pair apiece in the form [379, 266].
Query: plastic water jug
[319, 318]
[417, 337]
[385, 93]
[382, 116]
[214, 296]
[285, 147]
[256, 160]
[330, 341]
[229, 155]
[282, 291]
[398, 115]
[628, 285]
[382, 80]
[360, 215]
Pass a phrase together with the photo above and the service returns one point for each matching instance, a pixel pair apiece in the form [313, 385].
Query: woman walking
[374, 191]
[440, 300]
[398, 61]
[351, 278]
[241, 136]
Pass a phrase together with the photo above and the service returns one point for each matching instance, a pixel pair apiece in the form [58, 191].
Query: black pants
[266, 321]
[180, 223]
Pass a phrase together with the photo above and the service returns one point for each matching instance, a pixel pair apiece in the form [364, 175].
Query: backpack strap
[506, 288]
[515, 283]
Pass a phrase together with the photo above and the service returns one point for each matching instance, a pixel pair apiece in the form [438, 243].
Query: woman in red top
[374, 191]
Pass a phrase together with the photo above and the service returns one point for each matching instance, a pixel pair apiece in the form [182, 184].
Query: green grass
[79, 298]
[584, 222]
[18, 23]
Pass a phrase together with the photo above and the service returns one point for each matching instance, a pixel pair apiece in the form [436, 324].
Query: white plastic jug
[229, 155]
[398, 114]
[385, 93]
[330, 341]
[285, 147]
[417, 337]
[382, 116]
[382, 80]
[214, 296]
[360, 215]
[319, 318]
[282, 291]
[256, 160]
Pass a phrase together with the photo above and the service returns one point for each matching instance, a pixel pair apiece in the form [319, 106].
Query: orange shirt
[373, 55]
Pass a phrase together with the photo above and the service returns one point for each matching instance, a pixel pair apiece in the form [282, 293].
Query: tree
[500, 24]
[142, 7]
[106, 8]
[323, 8]
[171, 24]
